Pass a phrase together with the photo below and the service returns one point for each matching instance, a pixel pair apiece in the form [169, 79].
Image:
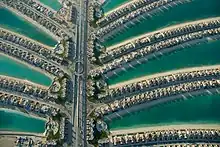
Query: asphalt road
[79, 79]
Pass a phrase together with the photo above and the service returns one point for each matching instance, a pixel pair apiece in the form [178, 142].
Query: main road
[79, 78]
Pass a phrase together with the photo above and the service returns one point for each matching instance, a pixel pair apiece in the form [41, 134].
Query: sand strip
[166, 127]
[121, 6]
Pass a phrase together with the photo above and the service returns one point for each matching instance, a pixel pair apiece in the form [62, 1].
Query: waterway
[200, 109]
[17, 24]
[10, 67]
[12, 121]
[111, 4]
[204, 54]
[195, 10]
[54, 4]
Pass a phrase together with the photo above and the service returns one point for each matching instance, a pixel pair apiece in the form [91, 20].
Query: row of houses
[158, 137]
[31, 45]
[29, 105]
[23, 87]
[29, 58]
[159, 94]
[142, 55]
[123, 10]
[106, 31]
[161, 35]
[159, 82]
[37, 17]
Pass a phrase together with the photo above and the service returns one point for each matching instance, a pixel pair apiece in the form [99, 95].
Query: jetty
[150, 52]
[171, 134]
[125, 47]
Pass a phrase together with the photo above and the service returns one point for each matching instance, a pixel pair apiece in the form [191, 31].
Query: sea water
[54, 4]
[111, 4]
[201, 55]
[200, 109]
[12, 68]
[13, 121]
[19, 25]
[195, 10]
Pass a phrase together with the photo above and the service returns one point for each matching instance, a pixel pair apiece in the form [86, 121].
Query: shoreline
[166, 127]
[50, 76]
[164, 51]
[31, 99]
[147, 105]
[120, 6]
[40, 27]
[23, 114]
[182, 70]
[25, 37]
[18, 133]
[165, 124]
[23, 81]
[160, 30]
[47, 6]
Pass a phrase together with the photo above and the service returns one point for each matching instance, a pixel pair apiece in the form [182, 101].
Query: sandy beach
[22, 113]
[121, 6]
[6, 141]
[135, 80]
[11, 133]
[166, 127]
[161, 30]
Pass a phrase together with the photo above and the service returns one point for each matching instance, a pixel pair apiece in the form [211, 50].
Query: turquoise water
[204, 54]
[198, 9]
[12, 68]
[111, 4]
[10, 121]
[19, 25]
[201, 109]
[54, 4]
